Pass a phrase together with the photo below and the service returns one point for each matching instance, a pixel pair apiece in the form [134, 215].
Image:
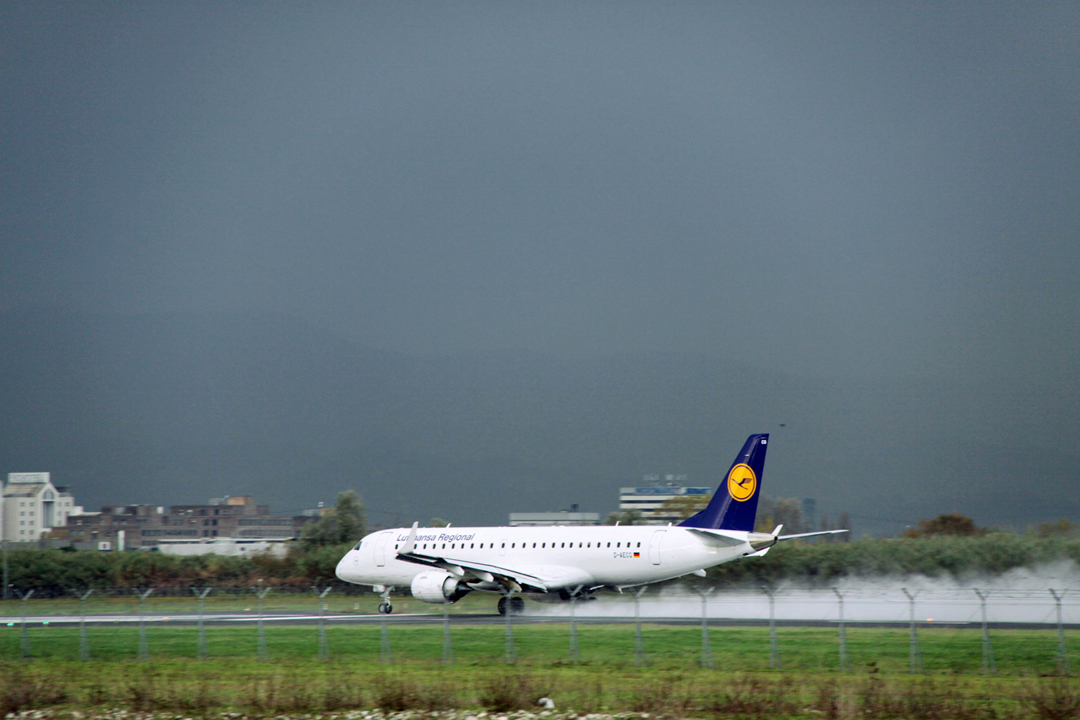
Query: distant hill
[165, 409]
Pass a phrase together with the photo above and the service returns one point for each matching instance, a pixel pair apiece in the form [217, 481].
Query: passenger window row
[524, 546]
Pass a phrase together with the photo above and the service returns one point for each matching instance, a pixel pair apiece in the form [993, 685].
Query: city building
[115, 527]
[563, 517]
[146, 526]
[648, 502]
[32, 506]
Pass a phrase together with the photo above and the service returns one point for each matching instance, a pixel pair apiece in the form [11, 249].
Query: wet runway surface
[247, 618]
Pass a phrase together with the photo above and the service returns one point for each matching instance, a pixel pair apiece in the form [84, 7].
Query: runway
[461, 619]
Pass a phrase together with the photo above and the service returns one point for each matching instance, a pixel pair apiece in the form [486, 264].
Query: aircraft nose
[340, 570]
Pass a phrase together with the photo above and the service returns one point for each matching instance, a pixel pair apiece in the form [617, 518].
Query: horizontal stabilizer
[811, 534]
[718, 537]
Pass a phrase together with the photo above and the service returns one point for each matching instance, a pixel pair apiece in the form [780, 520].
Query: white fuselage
[565, 556]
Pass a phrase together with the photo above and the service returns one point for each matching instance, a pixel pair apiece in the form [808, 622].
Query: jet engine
[438, 587]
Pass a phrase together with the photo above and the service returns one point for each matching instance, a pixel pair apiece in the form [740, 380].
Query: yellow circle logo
[741, 482]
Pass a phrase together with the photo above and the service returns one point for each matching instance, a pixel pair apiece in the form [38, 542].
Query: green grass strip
[804, 650]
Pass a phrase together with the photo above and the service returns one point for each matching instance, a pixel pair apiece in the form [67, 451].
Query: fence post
[706, 648]
[575, 649]
[988, 664]
[204, 653]
[263, 652]
[1062, 652]
[24, 638]
[639, 642]
[84, 643]
[774, 645]
[144, 646]
[845, 659]
[324, 646]
[914, 653]
[510, 654]
[447, 641]
[385, 654]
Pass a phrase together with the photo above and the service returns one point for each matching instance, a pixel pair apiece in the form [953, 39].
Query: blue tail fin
[734, 505]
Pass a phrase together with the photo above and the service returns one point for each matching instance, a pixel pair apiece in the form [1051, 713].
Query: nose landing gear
[385, 607]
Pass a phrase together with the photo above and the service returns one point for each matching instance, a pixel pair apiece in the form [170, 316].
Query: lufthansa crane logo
[741, 482]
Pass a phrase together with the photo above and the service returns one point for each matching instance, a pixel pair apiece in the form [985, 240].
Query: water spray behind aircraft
[1020, 596]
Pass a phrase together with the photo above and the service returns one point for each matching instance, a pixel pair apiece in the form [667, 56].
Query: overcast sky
[820, 188]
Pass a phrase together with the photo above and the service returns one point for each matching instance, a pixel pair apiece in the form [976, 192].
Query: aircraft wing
[532, 578]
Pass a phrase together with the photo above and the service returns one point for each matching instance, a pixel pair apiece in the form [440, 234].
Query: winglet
[410, 542]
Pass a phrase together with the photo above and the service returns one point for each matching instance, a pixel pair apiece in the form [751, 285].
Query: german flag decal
[637, 554]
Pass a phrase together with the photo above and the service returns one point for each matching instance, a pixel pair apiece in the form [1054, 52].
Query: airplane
[562, 563]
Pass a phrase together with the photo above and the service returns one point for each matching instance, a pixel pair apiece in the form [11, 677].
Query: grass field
[673, 684]
[814, 650]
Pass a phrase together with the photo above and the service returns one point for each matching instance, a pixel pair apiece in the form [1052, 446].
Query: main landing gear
[516, 605]
[386, 608]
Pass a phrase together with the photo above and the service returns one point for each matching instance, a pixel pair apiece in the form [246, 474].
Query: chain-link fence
[912, 608]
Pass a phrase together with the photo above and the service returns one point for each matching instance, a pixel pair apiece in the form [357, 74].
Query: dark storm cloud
[838, 188]
[823, 190]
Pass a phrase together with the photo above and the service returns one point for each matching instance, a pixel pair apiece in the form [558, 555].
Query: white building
[32, 505]
[648, 500]
[563, 517]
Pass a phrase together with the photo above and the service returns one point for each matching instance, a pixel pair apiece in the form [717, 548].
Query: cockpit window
[358, 545]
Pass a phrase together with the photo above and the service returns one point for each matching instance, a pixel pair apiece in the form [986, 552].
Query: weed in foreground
[22, 690]
[1054, 699]
[294, 693]
[586, 697]
[19, 690]
[754, 697]
[339, 694]
[277, 695]
[663, 700]
[827, 701]
[917, 701]
[396, 694]
[507, 692]
[141, 693]
[96, 693]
